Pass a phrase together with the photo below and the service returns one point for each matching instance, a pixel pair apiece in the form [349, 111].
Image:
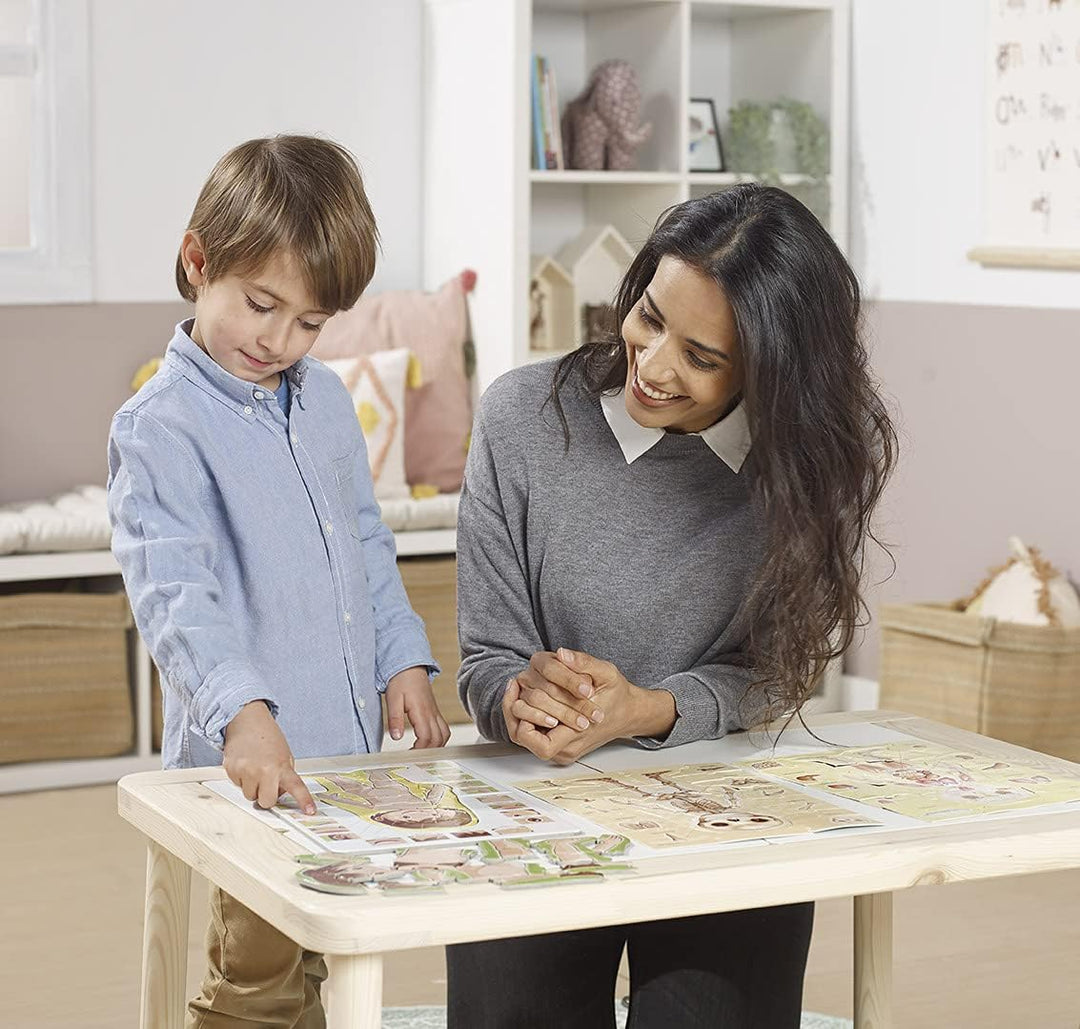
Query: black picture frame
[706, 150]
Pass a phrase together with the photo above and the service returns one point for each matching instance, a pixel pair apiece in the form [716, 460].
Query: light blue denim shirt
[255, 559]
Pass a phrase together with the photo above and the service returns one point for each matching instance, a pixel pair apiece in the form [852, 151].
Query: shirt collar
[184, 350]
[729, 438]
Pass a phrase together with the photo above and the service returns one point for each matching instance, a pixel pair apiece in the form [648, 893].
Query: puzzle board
[922, 780]
[381, 809]
[690, 805]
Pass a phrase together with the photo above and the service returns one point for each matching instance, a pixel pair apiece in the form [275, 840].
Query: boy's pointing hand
[259, 761]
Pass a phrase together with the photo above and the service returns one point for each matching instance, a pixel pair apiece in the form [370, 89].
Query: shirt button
[348, 618]
[248, 409]
[258, 395]
[295, 439]
[361, 704]
[330, 527]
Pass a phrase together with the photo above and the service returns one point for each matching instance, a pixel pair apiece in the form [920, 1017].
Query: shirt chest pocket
[347, 499]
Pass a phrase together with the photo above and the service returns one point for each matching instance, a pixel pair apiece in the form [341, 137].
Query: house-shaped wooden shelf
[596, 260]
[552, 310]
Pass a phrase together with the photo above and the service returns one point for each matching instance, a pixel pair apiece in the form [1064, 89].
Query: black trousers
[739, 970]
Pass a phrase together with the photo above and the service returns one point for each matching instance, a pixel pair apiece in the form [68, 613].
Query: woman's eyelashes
[697, 362]
[648, 319]
[693, 358]
[307, 326]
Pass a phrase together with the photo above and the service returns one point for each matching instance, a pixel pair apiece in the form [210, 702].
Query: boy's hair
[298, 194]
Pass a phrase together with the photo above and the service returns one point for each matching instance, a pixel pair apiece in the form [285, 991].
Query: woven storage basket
[64, 688]
[1019, 683]
[431, 583]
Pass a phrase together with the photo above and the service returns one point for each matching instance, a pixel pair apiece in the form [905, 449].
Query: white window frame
[56, 267]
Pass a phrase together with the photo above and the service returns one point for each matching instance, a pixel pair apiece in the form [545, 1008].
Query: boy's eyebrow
[692, 342]
[270, 293]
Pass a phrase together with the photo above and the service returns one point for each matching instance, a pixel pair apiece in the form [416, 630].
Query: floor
[1002, 954]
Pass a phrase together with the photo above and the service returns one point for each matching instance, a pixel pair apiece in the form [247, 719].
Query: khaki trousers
[255, 975]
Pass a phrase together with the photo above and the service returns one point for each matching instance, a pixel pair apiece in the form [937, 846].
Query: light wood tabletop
[188, 826]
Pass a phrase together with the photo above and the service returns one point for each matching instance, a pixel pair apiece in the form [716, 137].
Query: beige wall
[65, 370]
[989, 431]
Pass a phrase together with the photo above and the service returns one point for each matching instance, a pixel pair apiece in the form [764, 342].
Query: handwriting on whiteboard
[1031, 177]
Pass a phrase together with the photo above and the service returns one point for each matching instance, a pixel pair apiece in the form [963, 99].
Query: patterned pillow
[438, 404]
[376, 383]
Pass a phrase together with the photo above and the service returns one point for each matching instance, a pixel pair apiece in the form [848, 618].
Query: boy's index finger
[293, 785]
[395, 713]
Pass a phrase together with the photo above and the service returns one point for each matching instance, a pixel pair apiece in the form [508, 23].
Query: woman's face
[684, 366]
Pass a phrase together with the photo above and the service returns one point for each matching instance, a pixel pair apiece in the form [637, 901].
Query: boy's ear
[194, 258]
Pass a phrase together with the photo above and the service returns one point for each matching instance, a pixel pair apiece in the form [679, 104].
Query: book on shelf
[538, 160]
[552, 94]
[547, 146]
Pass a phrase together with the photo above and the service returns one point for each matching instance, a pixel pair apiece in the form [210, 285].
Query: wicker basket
[1019, 683]
[64, 687]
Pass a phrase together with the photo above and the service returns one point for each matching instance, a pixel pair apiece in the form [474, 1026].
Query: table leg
[873, 961]
[165, 940]
[353, 991]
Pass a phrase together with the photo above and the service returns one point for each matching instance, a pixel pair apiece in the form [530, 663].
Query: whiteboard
[1031, 118]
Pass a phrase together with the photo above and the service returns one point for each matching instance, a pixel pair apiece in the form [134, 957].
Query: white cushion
[71, 521]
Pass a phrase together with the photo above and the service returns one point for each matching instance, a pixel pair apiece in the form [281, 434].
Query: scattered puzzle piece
[433, 856]
[503, 862]
[502, 849]
[609, 845]
[565, 853]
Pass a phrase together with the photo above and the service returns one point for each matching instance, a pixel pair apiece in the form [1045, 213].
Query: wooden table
[187, 826]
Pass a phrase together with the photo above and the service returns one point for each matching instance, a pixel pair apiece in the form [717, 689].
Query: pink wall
[990, 445]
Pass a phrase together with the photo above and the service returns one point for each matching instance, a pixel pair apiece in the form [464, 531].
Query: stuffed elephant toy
[600, 127]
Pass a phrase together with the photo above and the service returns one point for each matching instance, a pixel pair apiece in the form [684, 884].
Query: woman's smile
[650, 395]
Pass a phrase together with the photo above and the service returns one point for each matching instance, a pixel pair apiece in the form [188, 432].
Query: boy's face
[254, 325]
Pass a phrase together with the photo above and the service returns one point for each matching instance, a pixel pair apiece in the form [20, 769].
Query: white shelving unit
[485, 208]
[43, 775]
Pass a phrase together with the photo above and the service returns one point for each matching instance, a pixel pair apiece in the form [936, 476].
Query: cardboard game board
[922, 780]
[692, 805]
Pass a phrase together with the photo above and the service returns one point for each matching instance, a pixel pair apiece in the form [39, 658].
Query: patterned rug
[435, 1018]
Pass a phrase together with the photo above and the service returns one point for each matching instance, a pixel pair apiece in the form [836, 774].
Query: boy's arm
[400, 640]
[166, 548]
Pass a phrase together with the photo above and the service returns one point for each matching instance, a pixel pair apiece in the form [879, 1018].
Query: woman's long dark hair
[823, 443]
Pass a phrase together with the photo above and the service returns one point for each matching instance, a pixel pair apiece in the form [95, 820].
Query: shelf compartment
[575, 38]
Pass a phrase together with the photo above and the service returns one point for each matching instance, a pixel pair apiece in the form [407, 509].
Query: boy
[245, 523]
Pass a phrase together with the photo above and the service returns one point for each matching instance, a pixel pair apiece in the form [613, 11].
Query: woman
[660, 538]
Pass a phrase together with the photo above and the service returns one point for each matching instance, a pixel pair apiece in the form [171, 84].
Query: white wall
[917, 88]
[174, 86]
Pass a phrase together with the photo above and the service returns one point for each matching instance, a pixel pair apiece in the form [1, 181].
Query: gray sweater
[641, 564]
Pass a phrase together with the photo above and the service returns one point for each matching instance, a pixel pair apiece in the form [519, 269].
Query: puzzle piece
[503, 849]
[433, 856]
[348, 877]
[565, 853]
[608, 845]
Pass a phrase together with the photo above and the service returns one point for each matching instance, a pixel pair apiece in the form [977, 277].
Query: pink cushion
[438, 412]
